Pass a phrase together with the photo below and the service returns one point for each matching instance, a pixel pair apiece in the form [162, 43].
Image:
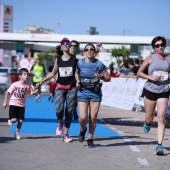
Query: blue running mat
[40, 118]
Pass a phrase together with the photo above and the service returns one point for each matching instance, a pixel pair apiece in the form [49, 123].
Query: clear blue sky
[110, 17]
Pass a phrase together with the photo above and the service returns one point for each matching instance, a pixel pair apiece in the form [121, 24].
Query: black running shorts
[154, 96]
[16, 112]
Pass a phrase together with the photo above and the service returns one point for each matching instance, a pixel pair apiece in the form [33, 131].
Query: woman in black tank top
[66, 92]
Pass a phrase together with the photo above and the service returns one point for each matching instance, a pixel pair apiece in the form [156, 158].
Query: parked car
[8, 75]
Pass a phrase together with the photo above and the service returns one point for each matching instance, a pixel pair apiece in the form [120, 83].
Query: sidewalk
[119, 143]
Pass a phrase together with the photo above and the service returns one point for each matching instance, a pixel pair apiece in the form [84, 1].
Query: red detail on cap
[64, 40]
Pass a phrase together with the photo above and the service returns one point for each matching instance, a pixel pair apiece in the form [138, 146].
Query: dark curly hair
[58, 50]
[158, 38]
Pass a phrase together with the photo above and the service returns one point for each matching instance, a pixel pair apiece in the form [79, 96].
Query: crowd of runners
[79, 82]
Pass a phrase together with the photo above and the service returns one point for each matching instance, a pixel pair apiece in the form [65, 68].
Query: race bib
[163, 75]
[66, 71]
[38, 76]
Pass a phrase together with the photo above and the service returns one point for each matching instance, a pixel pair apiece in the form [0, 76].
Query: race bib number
[66, 71]
[163, 75]
[38, 76]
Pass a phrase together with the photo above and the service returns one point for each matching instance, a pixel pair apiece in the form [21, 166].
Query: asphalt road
[132, 150]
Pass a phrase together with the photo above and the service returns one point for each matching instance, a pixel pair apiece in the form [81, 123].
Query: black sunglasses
[73, 45]
[89, 49]
[158, 45]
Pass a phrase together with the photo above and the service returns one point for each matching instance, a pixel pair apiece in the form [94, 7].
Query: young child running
[18, 90]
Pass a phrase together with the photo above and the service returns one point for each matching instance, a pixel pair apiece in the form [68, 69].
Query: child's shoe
[9, 122]
[17, 136]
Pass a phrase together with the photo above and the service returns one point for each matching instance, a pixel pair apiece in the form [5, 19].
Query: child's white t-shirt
[19, 92]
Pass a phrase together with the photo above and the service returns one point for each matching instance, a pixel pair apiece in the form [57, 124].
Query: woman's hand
[98, 76]
[38, 85]
[78, 85]
[154, 78]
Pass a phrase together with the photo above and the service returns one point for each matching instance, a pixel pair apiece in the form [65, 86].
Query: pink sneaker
[67, 138]
[59, 130]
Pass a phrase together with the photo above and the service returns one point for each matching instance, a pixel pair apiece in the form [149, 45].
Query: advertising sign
[6, 18]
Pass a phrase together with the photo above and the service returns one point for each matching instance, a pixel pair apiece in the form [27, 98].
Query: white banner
[123, 93]
[120, 92]
[138, 98]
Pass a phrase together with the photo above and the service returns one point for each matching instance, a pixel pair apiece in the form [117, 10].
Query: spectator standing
[112, 71]
[134, 67]
[124, 71]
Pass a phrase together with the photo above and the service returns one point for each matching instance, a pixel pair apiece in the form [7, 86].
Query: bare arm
[51, 75]
[77, 77]
[5, 100]
[104, 76]
[79, 57]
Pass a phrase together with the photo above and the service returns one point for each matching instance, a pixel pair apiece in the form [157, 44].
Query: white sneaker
[9, 122]
[16, 136]
[37, 99]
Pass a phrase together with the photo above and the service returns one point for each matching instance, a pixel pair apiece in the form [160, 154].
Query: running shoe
[9, 122]
[37, 99]
[17, 136]
[90, 143]
[67, 138]
[59, 130]
[159, 150]
[81, 136]
[146, 128]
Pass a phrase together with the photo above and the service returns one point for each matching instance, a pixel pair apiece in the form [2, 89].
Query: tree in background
[121, 54]
[44, 56]
[53, 54]
[116, 54]
[124, 52]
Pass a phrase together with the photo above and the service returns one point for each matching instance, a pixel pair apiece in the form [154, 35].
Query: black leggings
[68, 97]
